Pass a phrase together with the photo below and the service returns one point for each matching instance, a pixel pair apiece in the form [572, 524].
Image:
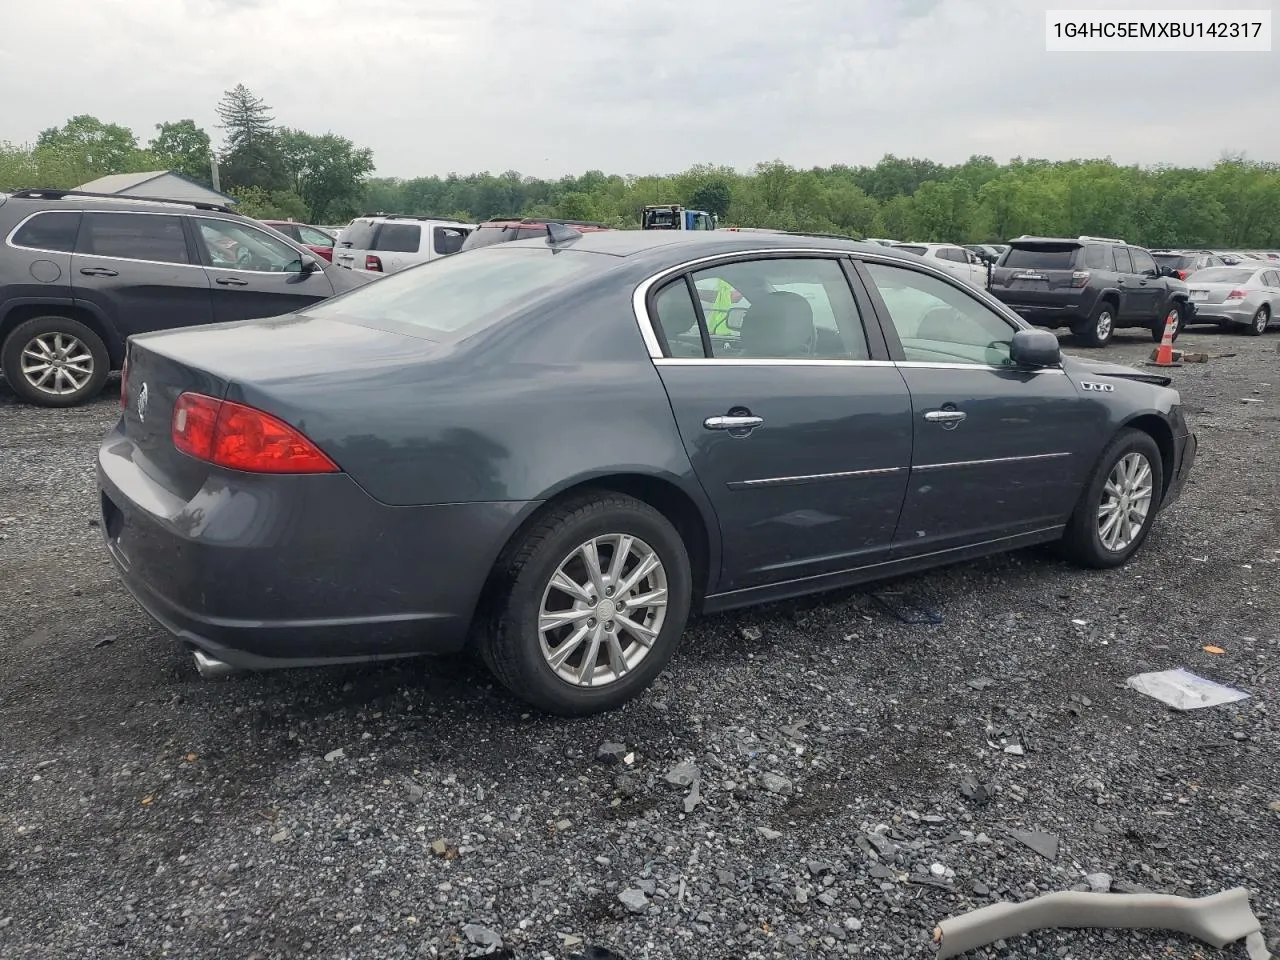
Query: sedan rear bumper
[1241, 315]
[263, 571]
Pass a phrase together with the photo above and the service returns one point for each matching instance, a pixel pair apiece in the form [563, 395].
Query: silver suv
[380, 244]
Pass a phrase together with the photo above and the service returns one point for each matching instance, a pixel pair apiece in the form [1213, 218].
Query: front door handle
[732, 423]
[232, 282]
[945, 416]
[98, 272]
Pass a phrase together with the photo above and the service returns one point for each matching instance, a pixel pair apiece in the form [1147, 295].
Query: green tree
[184, 148]
[326, 171]
[268, 205]
[85, 148]
[714, 196]
[251, 154]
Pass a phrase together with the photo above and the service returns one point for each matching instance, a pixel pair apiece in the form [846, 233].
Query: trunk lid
[1037, 269]
[270, 364]
[1211, 292]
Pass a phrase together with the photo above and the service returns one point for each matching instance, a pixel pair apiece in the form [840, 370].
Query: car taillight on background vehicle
[1080, 278]
[1236, 295]
[232, 435]
[1183, 274]
[372, 263]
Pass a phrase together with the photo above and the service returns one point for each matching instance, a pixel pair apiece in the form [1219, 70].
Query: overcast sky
[640, 86]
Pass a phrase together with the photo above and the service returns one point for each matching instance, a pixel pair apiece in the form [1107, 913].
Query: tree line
[279, 172]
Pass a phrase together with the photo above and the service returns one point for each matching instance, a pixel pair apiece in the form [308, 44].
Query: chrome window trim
[920, 265]
[99, 256]
[765, 362]
[812, 478]
[982, 463]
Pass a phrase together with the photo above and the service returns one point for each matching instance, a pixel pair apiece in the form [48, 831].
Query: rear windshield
[497, 233]
[1222, 275]
[453, 297]
[358, 235]
[1042, 256]
[1176, 260]
[918, 251]
[398, 238]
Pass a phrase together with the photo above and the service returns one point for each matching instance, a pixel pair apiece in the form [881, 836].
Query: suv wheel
[1102, 324]
[54, 361]
[1261, 320]
[590, 605]
[1174, 314]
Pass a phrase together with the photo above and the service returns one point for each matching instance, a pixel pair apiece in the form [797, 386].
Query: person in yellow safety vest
[718, 313]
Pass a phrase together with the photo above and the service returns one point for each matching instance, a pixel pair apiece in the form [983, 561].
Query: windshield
[358, 235]
[453, 297]
[497, 233]
[1041, 257]
[1222, 275]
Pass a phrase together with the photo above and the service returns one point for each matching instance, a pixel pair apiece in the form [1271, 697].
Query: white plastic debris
[1183, 690]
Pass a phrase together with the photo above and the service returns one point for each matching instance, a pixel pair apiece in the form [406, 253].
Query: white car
[952, 258]
[388, 244]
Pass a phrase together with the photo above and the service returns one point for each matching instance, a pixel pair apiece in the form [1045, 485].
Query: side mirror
[1168, 272]
[1035, 348]
[308, 266]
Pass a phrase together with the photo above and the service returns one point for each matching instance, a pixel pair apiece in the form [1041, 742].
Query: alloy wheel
[1126, 501]
[602, 610]
[1260, 320]
[1102, 330]
[57, 363]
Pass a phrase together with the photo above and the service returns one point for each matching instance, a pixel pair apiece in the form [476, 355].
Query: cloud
[554, 87]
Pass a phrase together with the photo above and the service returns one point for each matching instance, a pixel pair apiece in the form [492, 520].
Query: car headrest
[780, 325]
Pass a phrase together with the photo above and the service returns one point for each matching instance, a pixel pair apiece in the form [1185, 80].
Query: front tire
[54, 361]
[1261, 320]
[1175, 313]
[589, 605]
[1117, 507]
[1101, 326]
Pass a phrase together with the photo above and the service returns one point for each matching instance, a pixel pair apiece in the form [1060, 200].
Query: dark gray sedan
[557, 450]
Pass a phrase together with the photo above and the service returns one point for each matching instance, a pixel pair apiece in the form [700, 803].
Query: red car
[313, 238]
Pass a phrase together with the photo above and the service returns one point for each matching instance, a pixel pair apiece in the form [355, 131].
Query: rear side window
[453, 297]
[448, 239]
[1272, 278]
[485, 235]
[358, 235]
[1123, 263]
[398, 238]
[1044, 256]
[49, 231]
[134, 236]
[1098, 257]
[678, 319]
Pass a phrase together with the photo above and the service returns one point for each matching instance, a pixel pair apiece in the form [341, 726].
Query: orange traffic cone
[1164, 355]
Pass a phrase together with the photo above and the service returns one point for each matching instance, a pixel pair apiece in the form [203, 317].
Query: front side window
[938, 323]
[238, 246]
[449, 239]
[314, 237]
[133, 236]
[55, 230]
[1143, 264]
[781, 309]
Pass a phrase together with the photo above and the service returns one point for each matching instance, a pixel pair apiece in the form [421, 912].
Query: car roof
[51, 199]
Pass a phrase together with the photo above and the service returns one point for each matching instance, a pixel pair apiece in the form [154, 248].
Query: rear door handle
[232, 282]
[945, 416]
[98, 272]
[732, 423]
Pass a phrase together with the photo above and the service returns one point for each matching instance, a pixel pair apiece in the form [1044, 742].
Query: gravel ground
[858, 778]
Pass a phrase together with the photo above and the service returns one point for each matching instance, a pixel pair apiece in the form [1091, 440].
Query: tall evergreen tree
[251, 154]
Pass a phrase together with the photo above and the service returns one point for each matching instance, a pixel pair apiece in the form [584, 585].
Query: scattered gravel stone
[971, 789]
[883, 845]
[1099, 882]
[611, 753]
[776, 783]
[482, 936]
[334, 755]
[768, 833]
[693, 798]
[1045, 844]
[683, 774]
[634, 900]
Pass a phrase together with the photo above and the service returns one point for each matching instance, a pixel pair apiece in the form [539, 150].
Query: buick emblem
[142, 404]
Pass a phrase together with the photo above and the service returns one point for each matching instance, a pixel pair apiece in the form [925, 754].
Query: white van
[387, 244]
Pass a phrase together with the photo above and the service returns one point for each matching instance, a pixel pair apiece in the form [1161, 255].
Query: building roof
[129, 183]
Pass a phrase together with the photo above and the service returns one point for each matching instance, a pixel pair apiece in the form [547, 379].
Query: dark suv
[81, 272]
[1092, 285]
[505, 229]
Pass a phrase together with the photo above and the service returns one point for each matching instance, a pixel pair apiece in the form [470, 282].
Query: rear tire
[1261, 320]
[1100, 328]
[519, 648]
[1157, 331]
[1085, 540]
[78, 362]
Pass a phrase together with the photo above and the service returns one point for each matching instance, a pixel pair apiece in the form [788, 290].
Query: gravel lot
[417, 811]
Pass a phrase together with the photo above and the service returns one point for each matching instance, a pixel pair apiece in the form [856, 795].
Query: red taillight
[1183, 274]
[372, 263]
[1236, 295]
[124, 384]
[1080, 278]
[241, 438]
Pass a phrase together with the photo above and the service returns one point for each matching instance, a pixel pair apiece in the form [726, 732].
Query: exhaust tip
[211, 668]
